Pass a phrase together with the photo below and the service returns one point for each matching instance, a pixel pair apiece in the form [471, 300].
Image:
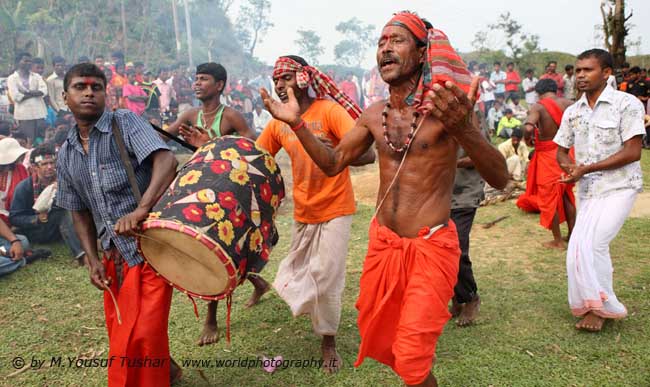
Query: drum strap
[126, 161]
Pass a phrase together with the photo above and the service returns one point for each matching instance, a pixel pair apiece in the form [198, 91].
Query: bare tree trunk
[123, 14]
[188, 27]
[614, 29]
[176, 30]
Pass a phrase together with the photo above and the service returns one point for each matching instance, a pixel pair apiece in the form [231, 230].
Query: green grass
[524, 337]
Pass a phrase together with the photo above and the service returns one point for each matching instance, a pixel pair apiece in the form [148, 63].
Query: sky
[562, 25]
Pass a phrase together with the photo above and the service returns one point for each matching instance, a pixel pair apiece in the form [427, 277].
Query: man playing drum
[312, 277]
[93, 185]
[198, 126]
[412, 263]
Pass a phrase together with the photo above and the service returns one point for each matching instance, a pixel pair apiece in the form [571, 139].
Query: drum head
[186, 262]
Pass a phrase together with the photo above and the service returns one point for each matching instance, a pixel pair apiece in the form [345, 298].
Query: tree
[309, 45]
[517, 41]
[615, 29]
[358, 38]
[253, 22]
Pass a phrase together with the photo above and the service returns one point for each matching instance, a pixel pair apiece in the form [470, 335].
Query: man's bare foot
[591, 323]
[469, 312]
[175, 372]
[430, 381]
[332, 361]
[455, 308]
[210, 335]
[560, 245]
[261, 287]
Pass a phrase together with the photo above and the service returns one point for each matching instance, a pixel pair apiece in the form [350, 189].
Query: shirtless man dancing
[413, 252]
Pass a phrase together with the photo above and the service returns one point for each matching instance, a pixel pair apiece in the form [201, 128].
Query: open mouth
[283, 96]
[386, 62]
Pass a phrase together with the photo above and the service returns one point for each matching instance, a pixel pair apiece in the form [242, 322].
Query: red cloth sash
[405, 287]
[544, 192]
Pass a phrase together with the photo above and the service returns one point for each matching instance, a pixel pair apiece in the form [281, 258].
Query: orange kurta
[405, 288]
[139, 346]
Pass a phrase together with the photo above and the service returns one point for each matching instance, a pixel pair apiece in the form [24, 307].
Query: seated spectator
[15, 252]
[518, 111]
[260, 117]
[507, 123]
[5, 129]
[32, 212]
[516, 154]
[12, 172]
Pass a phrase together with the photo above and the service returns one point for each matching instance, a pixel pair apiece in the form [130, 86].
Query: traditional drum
[215, 222]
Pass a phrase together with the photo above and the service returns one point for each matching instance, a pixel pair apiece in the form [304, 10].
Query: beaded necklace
[409, 137]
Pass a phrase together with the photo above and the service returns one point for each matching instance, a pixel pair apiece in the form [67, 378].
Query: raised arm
[331, 160]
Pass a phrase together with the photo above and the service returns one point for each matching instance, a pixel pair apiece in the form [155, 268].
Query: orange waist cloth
[544, 191]
[139, 346]
[405, 288]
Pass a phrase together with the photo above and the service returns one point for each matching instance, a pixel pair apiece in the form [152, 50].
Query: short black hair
[83, 59]
[604, 58]
[635, 70]
[5, 128]
[60, 136]
[546, 86]
[550, 62]
[516, 132]
[83, 70]
[58, 59]
[568, 67]
[530, 71]
[482, 66]
[99, 56]
[38, 60]
[21, 55]
[216, 70]
[42, 150]
[18, 135]
[508, 111]
[117, 54]
[509, 64]
[297, 58]
[497, 63]
[625, 64]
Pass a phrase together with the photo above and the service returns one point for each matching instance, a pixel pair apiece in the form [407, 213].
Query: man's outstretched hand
[450, 104]
[288, 112]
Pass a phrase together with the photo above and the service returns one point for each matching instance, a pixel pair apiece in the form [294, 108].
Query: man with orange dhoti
[411, 268]
[545, 193]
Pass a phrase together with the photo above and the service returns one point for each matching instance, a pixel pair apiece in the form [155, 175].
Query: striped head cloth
[322, 84]
[441, 64]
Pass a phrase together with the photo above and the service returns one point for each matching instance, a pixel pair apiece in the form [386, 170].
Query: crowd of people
[552, 132]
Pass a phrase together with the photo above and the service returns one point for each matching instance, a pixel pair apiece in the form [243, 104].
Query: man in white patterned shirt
[606, 127]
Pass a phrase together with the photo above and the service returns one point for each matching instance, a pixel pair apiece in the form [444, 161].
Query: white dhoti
[312, 277]
[589, 265]
[516, 167]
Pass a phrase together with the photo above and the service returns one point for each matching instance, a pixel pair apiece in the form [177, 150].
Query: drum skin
[216, 221]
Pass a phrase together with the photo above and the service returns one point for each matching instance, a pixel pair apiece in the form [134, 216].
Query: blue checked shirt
[98, 182]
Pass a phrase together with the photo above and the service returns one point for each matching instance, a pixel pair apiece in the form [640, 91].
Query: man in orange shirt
[312, 277]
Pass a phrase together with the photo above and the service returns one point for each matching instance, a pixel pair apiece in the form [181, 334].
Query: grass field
[524, 337]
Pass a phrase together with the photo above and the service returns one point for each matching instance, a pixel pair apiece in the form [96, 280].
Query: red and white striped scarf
[320, 82]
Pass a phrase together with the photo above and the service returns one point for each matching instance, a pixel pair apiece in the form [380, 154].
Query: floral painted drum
[215, 222]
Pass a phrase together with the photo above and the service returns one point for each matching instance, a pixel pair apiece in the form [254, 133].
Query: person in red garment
[411, 268]
[544, 192]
